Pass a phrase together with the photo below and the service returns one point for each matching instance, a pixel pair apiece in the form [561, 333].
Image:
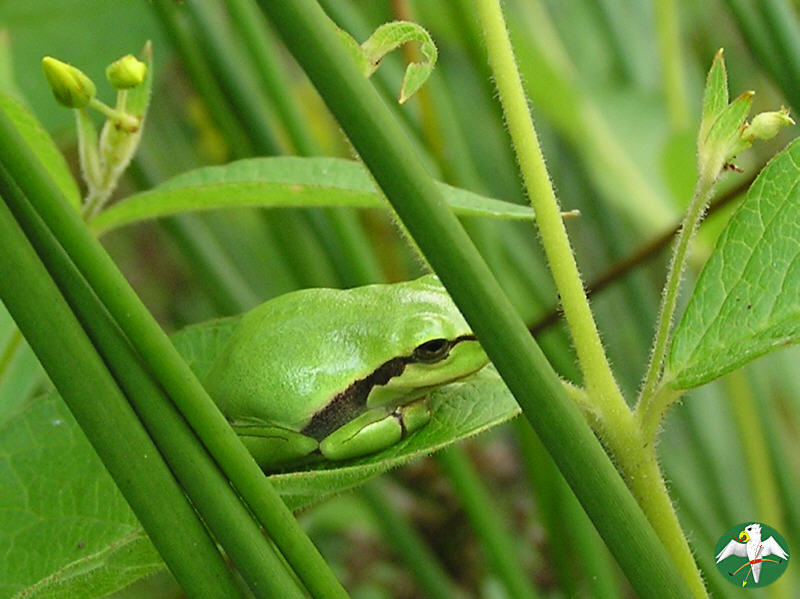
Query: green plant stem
[103, 413]
[598, 378]
[166, 365]
[492, 532]
[662, 398]
[225, 62]
[208, 489]
[252, 27]
[224, 284]
[588, 561]
[191, 54]
[670, 54]
[386, 151]
[616, 424]
[669, 297]
[339, 230]
[120, 119]
[403, 539]
[755, 447]
[781, 24]
[761, 474]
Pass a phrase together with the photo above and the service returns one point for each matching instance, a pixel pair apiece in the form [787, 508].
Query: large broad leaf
[68, 531]
[281, 182]
[747, 299]
[458, 410]
[65, 528]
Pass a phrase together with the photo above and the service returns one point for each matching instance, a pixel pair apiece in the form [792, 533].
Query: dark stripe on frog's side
[350, 403]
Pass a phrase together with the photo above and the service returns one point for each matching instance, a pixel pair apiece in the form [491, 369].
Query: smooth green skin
[289, 358]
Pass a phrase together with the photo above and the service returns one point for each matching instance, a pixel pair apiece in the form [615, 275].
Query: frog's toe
[374, 430]
[274, 445]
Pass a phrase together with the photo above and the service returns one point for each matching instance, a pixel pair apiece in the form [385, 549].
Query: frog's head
[436, 345]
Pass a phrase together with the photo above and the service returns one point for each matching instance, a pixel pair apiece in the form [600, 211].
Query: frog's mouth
[351, 402]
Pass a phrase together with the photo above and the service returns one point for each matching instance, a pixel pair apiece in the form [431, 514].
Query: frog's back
[290, 355]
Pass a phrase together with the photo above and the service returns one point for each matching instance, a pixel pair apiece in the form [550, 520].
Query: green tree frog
[340, 373]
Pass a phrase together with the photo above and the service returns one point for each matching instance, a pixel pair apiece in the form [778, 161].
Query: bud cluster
[104, 157]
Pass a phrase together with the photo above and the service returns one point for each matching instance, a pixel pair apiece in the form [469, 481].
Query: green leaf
[715, 95]
[747, 300]
[112, 568]
[723, 141]
[389, 36]
[280, 182]
[71, 530]
[43, 145]
[459, 410]
[73, 535]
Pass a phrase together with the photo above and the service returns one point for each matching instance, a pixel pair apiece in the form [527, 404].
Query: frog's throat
[351, 402]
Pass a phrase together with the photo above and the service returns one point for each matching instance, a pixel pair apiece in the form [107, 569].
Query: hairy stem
[599, 379]
[669, 297]
[616, 424]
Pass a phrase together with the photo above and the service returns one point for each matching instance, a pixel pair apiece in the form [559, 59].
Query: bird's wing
[732, 548]
[771, 547]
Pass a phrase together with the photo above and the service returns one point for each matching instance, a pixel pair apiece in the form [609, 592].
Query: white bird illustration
[754, 549]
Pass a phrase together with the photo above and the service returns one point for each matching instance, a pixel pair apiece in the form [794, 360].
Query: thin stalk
[611, 20]
[616, 424]
[761, 477]
[637, 258]
[749, 16]
[252, 27]
[598, 378]
[220, 507]
[192, 58]
[225, 63]
[120, 118]
[105, 416]
[669, 300]
[167, 366]
[239, 80]
[399, 172]
[424, 565]
[670, 54]
[224, 284]
[493, 534]
[566, 523]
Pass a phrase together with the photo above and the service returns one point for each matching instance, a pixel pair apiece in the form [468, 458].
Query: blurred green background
[615, 89]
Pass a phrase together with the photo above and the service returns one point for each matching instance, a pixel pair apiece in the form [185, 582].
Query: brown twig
[637, 258]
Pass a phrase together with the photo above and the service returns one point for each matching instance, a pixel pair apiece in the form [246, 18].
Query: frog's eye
[432, 351]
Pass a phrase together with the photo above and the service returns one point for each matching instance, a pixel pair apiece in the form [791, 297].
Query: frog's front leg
[374, 430]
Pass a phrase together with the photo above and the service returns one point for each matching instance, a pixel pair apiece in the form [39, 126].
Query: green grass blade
[425, 566]
[495, 538]
[160, 356]
[106, 418]
[383, 147]
[220, 507]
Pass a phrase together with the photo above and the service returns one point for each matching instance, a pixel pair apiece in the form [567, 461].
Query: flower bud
[127, 72]
[71, 87]
[766, 125]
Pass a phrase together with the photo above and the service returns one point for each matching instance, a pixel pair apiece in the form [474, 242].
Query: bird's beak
[744, 536]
